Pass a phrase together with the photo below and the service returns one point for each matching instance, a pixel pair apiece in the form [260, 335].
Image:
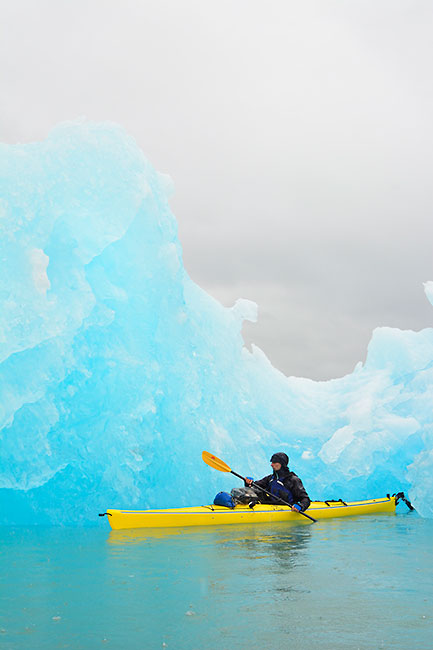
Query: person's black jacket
[291, 481]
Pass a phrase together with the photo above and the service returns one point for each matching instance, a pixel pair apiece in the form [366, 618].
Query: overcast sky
[298, 136]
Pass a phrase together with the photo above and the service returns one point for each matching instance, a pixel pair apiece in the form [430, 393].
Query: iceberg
[117, 370]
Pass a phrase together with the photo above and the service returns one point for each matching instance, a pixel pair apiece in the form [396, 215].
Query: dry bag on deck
[224, 499]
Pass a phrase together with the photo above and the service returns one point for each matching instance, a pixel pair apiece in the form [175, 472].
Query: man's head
[279, 460]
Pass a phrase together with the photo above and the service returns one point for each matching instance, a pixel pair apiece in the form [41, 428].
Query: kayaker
[283, 483]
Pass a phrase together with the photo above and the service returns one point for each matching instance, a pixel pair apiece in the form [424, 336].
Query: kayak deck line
[261, 513]
[359, 504]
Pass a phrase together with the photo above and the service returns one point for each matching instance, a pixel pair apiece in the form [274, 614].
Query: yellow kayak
[213, 515]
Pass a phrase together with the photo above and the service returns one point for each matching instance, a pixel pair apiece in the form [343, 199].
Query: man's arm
[263, 482]
[299, 492]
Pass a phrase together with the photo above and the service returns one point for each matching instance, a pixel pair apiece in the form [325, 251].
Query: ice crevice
[117, 370]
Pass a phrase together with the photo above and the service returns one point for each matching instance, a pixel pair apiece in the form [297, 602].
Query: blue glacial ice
[117, 370]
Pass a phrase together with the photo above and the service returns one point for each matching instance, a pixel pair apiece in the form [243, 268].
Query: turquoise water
[356, 583]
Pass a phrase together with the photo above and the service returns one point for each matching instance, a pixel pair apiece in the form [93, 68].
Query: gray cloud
[298, 136]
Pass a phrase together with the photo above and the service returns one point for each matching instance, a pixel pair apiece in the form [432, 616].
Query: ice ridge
[117, 370]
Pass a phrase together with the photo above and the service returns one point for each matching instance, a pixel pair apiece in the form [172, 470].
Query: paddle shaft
[304, 514]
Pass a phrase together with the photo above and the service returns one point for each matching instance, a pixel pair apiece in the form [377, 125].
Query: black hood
[281, 458]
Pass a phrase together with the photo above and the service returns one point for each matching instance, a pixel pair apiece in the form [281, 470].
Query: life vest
[279, 490]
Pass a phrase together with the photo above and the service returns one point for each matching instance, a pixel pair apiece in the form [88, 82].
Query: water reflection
[221, 559]
[249, 536]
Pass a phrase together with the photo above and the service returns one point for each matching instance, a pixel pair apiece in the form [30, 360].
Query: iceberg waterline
[117, 370]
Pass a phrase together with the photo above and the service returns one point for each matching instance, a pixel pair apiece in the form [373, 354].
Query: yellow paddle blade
[215, 462]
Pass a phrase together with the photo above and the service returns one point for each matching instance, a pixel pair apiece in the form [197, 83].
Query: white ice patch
[332, 449]
[166, 184]
[39, 261]
[169, 256]
[428, 288]
[246, 310]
